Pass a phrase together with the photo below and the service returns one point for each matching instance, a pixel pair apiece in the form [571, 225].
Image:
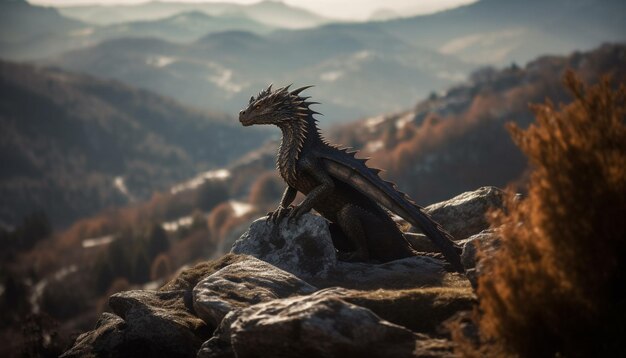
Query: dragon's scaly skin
[337, 185]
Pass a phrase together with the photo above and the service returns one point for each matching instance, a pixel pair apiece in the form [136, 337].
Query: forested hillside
[73, 145]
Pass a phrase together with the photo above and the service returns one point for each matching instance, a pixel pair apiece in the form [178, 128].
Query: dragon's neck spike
[297, 130]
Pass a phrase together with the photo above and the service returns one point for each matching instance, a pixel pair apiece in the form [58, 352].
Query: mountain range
[33, 32]
[457, 141]
[223, 69]
[180, 27]
[271, 13]
[361, 68]
[29, 32]
[499, 32]
[73, 145]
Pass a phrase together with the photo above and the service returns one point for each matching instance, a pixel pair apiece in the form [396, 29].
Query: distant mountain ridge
[457, 141]
[73, 145]
[499, 32]
[360, 68]
[222, 70]
[28, 31]
[180, 27]
[271, 13]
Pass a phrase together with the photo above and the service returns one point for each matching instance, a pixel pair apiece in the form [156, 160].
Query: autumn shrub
[267, 190]
[65, 297]
[556, 287]
[161, 267]
[218, 217]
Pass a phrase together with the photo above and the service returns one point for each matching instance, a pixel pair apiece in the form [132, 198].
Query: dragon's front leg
[284, 207]
[325, 187]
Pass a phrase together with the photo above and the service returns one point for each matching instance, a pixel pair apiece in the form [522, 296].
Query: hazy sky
[345, 9]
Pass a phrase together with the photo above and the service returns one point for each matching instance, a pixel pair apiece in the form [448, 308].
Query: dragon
[338, 185]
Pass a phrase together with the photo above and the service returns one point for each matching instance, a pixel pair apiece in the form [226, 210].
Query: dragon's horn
[269, 88]
[298, 90]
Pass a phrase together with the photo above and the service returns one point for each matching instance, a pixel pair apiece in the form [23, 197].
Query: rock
[316, 327]
[107, 333]
[241, 285]
[306, 250]
[488, 241]
[464, 215]
[145, 323]
[419, 309]
[190, 277]
[219, 346]
[409, 272]
[303, 248]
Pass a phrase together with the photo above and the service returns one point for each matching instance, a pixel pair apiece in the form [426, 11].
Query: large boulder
[241, 285]
[417, 271]
[303, 248]
[310, 326]
[465, 214]
[145, 323]
[419, 309]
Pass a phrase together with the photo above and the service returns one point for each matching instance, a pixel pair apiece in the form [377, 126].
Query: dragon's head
[275, 107]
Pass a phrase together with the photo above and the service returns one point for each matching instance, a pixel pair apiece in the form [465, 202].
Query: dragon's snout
[244, 117]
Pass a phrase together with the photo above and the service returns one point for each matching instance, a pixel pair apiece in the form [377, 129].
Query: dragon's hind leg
[373, 236]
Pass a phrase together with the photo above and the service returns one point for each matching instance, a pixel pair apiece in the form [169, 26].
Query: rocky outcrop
[314, 326]
[243, 284]
[304, 248]
[145, 323]
[419, 309]
[465, 214]
[281, 292]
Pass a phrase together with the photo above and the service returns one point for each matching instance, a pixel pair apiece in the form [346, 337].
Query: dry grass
[556, 287]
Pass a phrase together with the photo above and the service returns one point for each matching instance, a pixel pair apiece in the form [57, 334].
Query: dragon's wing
[354, 172]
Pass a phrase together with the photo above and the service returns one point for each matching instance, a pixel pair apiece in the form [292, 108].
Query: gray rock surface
[241, 285]
[464, 215]
[145, 323]
[263, 299]
[486, 239]
[404, 273]
[219, 346]
[303, 248]
[312, 326]
[306, 250]
[419, 309]
[489, 241]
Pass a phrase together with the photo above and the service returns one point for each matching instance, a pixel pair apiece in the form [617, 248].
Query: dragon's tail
[366, 180]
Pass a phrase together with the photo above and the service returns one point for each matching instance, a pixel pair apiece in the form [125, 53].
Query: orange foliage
[218, 217]
[161, 267]
[267, 190]
[556, 286]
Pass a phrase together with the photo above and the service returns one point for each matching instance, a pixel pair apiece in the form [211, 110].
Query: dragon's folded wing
[354, 172]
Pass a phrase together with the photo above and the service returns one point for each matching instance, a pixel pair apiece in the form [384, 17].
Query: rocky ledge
[281, 292]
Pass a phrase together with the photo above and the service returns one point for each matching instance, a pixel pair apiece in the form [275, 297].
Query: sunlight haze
[338, 9]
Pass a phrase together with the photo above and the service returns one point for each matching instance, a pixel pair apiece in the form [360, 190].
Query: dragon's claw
[277, 215]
